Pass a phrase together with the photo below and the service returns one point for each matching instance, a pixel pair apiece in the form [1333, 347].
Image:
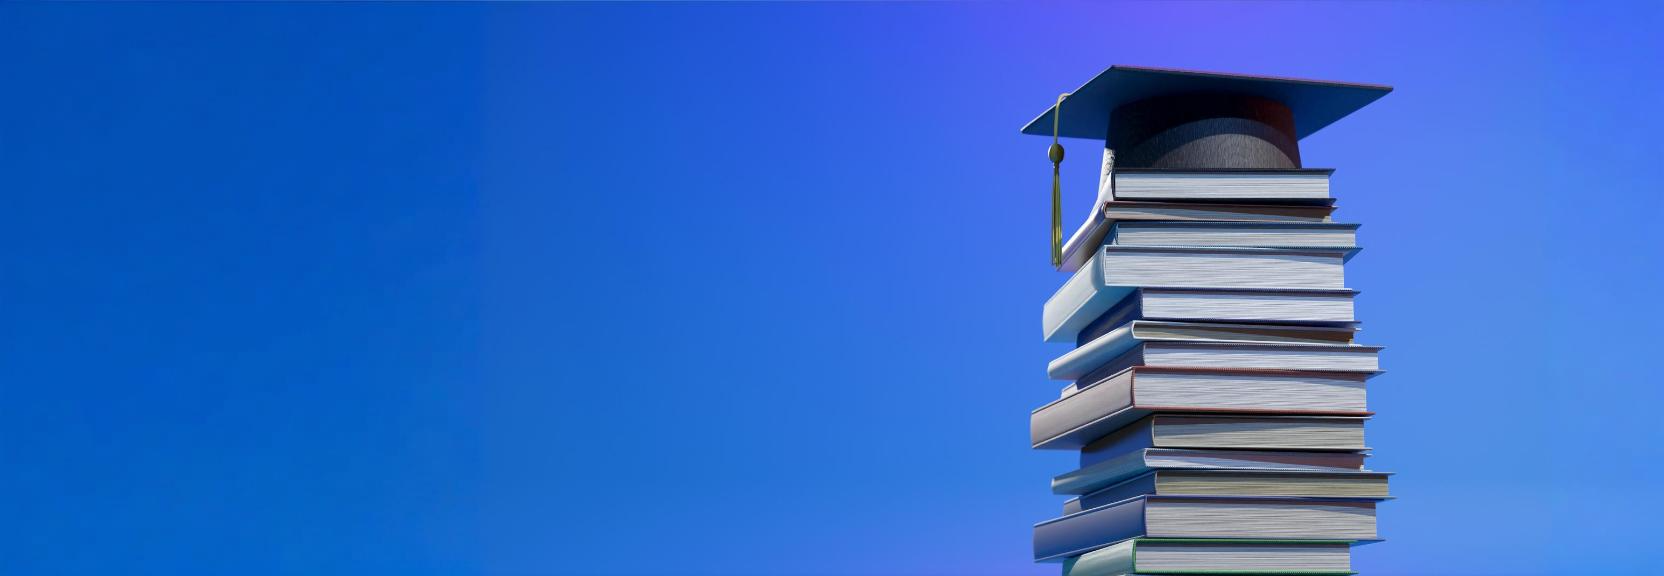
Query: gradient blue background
[742, 288]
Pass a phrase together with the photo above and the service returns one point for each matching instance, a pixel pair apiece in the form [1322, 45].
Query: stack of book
[1216, 395]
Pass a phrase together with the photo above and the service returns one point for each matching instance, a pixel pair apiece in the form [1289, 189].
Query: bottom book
[1186, 556]
[1203, 517]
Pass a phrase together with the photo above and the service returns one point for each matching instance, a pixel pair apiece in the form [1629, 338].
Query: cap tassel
[1056, 154]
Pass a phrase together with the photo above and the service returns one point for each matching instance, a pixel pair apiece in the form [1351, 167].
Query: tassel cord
[1056, 155]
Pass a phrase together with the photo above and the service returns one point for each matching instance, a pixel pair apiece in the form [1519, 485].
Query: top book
[1302, 186]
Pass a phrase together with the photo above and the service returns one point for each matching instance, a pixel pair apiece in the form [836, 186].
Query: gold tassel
[1056, 154]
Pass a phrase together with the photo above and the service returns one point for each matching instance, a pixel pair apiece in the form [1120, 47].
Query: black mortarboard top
[1185, 120]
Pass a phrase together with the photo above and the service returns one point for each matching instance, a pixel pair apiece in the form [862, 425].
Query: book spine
[1136, 436]
[1086, 406]
[1077, 534]
[1113, 560]
[1128, 359]
[1099, 476]
[1129, 309]
[1141, 486]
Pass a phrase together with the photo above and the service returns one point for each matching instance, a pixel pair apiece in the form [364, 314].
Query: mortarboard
[1186, 120]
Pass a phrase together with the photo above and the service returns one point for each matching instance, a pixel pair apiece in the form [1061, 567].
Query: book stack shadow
[1216, 392]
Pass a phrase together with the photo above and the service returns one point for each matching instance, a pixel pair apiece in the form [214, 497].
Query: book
[1240, 306]
[1223, 184]
[1090, 235]
[1089, 356]
[1230, 356]
[1195, 517]
[1325, 433]
[1103, 406]
[1109, 472]
[1328, 236]
[1360, 484]
[1117, 270]
[1180, 556]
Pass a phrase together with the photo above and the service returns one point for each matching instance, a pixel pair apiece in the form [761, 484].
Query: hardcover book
[1100, 408]
[1117, 270]
[1193, 517]
[1086, 239]
[1326, 433]
[1229, 356]
[1100, 475]
[1325, 236]
[1101, 350]
[1240, 306]
[1179, 556]
[1361, 484]
[1296, 185]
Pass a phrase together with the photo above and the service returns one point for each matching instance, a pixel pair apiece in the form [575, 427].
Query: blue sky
[754, 288]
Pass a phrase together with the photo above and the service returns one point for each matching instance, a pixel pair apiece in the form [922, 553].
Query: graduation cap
[1187, 120]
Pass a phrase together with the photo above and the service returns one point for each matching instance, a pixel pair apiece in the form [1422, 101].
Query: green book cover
[1121, 559]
